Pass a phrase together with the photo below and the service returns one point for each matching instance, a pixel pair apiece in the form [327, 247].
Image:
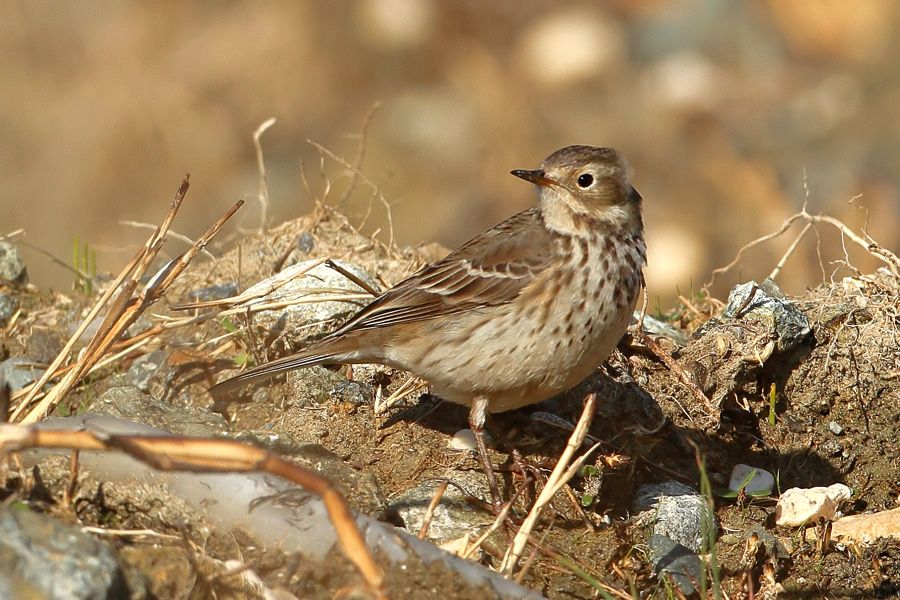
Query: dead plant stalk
[202, 455]
[564, 470]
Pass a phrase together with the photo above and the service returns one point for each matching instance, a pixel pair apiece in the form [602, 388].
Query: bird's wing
[489, 270]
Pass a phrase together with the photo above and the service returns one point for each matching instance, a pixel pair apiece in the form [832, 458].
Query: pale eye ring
[585, 180]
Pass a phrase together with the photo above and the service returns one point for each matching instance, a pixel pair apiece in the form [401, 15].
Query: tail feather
[270, 369]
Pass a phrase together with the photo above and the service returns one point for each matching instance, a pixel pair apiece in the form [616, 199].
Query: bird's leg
[477, 415]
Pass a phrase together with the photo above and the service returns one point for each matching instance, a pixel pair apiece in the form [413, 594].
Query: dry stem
[124, 310]
[200, 455]
[867, 243]
[560, 475]
[263, 193]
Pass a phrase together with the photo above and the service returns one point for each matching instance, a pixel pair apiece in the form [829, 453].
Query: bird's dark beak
[536, 177]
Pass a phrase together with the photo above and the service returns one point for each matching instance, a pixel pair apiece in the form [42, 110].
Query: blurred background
[731, 113]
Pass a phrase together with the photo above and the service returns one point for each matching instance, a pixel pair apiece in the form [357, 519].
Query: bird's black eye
[585, 180]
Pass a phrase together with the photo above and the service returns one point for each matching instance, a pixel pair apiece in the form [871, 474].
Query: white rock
[464, 439]
[762, 480]
[798, 506]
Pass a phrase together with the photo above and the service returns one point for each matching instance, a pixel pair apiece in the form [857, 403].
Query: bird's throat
[562, 215]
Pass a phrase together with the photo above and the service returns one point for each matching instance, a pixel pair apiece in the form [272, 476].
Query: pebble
[798, 506]
[674, 510]
[834, 428]
[678, 562]
[130, 402]
[214, 292]
[12, 267]
[19, 372]
[453, 517]
[464, 439]
[8, 307]
[143, 369]
[762, 481]
[766, 301]
[41, 557]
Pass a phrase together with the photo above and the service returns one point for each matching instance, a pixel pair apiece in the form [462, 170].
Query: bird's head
[584, 181]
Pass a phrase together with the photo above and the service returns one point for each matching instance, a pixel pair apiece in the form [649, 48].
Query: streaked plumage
[521, 312]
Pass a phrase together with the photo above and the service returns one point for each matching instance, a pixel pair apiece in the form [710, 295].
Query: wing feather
[490, 270]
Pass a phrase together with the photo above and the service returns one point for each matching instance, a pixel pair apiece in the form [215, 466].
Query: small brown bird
[524, 311]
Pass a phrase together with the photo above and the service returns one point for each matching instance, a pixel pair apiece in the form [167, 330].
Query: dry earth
[650, 423]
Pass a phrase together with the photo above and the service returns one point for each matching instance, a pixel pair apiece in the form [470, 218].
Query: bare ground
[650, 423]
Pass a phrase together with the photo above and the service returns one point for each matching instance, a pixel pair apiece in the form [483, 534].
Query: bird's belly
[520, 355]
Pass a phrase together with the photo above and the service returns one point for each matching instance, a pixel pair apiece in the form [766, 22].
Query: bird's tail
[317, 355]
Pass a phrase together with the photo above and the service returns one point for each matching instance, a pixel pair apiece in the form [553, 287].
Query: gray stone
[758, 481]
[453, 517]
[8, 307]
[674, 510]
[774, 547]
[678, 562]
[306, 242]
[355, 392]
[834, 428]
[766, 301]
[43, 558]
[314, 385]
[293, 322]
[19, 372]
[133, 404]
[273, 512]
[214, 292]
[12, 267]
[143, 369]
[655, 326]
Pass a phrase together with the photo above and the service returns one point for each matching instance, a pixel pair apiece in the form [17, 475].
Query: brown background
[724, 109]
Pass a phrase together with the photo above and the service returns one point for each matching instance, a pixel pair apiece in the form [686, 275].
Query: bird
[520, 313]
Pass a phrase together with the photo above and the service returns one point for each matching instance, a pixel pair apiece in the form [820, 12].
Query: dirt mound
[805, 388]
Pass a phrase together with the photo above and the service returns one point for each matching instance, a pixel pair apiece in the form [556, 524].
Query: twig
[360, 153]
[429, 512]
[257, 291]
[69, 491]
[409, 386]
[351, 276]
[572, 565]
[263, 193]
[201, 455]
[558, 477]
[125, 309]
[774, 274]
[76, 271]
[498, 521]
[98, 306]
[679, 372]
[387, 205]
[520, 576]
[128, 532]
[869, 245]
[760, 240]
[172, 234]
